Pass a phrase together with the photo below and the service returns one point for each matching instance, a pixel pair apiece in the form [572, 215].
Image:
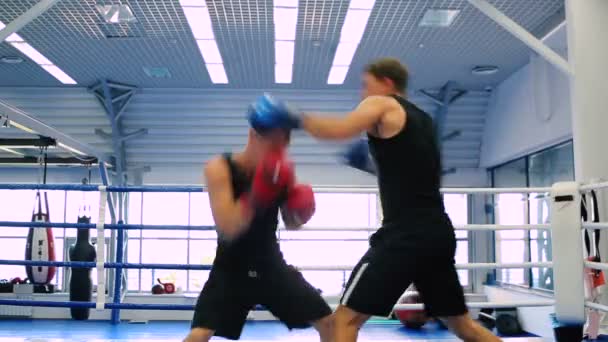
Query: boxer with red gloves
[246, 190]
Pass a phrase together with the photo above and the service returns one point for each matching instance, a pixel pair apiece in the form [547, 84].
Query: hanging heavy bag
[40, 246]
[81, 285]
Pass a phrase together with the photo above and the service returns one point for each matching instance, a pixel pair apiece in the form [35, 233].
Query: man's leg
[221, 308]
[347, 324]
[325, 328]
[468, 330]
[289, 297]
[199, 335]
[375, 285]
[443, 296]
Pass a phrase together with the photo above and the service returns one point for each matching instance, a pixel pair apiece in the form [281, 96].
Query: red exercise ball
[412, 319]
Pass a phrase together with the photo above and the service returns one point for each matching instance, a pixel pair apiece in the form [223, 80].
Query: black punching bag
[81, 287]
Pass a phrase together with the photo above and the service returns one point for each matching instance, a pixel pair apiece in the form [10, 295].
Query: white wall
[187, 126]
[528, 112]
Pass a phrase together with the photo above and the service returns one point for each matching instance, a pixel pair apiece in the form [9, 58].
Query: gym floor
[67, 330]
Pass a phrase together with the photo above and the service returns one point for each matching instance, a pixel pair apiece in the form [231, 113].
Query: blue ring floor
[254, 331]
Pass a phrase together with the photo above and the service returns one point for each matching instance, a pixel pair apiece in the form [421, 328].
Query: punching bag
[81, 286]
[40, 246]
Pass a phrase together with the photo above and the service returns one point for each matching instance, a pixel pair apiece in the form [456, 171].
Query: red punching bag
[413, 319]
[40, 246]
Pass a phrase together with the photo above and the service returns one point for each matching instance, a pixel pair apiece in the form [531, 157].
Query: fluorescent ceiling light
[337, 74]
[59, 74]
[344, 54]
[362, 4]
[217, 73]
[69, 148]
[285, 23]
[439, 17]
[18, 43]
[6, 149]
[284, 52]
[32, 53]
[192, 3]
[354, 26]
[13, 37]
[210, 51]
[283, 73]
[351, 34]
[200, 22]
[197, 15]
[285, 3]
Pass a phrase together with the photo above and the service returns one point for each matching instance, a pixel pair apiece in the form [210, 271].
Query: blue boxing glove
[268, 113]
[357, 156]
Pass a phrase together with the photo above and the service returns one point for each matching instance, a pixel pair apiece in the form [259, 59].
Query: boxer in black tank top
[416, 243]
[249, 269]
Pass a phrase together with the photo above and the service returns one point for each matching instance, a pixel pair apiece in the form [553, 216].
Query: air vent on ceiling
[483, 70]
[11, 59]
[157, 72]
[116, 14]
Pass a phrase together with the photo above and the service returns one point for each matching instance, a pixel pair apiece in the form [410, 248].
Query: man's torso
[409, 172]
[258, 246]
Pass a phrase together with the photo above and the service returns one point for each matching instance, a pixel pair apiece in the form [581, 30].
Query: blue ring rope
[91, 305]
[106, 226]
[85, 264]
[80, 187]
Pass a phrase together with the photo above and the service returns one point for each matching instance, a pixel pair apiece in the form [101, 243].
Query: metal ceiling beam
[26, 18]
[28, 143]
[25, 122]
[442, 110]
[522, 34]
[114, 98]
[51, 161]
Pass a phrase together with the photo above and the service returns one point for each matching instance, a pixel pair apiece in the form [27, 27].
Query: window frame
[528, 276]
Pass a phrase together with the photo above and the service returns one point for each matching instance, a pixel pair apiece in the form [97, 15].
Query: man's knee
[325, 327]
[199, 335]
[346, 317]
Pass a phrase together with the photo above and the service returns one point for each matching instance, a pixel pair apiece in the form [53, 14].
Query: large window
[541, 169]
[355, 214]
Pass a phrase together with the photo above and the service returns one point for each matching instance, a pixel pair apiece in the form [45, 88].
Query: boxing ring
[567, 245]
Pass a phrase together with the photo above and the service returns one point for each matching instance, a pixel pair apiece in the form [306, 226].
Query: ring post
[568, 270]
[118, 274]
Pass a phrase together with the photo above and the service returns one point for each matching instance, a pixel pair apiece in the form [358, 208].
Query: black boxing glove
[158, 289]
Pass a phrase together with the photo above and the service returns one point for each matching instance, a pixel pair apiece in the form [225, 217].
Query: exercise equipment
[412, 319]
[81, 285]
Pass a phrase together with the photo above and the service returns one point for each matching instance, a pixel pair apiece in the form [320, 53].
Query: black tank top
[409, 171]
[258, 245]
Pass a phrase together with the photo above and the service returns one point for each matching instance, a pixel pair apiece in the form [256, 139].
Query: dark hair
[390, 68]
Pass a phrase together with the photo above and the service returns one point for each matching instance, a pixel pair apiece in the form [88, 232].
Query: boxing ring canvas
[258, 331]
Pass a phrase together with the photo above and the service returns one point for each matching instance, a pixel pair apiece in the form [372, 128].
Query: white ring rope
[486, 305]
[595, 186]
[374, 190]
[472, 266]
[595, 225]
[596, 306]
[468, 227]
[101, 245]
[596, 265]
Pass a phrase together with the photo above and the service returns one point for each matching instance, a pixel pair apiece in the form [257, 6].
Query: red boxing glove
[300, 206]
[273, 176]
[167, 287]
